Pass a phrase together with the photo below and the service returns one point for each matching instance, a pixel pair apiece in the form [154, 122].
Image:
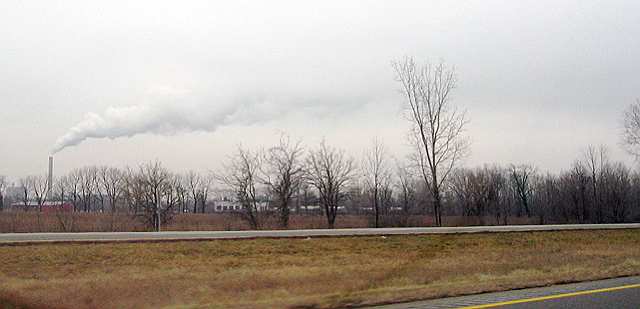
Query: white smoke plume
[158, 118]
[176, 116]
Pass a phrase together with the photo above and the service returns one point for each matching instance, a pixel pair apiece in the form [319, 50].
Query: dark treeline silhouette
[326, 181]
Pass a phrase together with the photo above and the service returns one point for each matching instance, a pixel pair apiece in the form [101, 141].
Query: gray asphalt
[11, 238]
[624, 298]
[621, 299]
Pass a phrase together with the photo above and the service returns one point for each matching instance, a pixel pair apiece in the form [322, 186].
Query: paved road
[628, 298]
[156, 236]
[610, 293]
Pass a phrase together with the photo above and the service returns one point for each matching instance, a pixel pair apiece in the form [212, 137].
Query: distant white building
[46, 206]
[225, 205]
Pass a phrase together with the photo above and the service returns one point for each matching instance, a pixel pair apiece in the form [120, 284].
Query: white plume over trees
[178, 114]
[127, 121]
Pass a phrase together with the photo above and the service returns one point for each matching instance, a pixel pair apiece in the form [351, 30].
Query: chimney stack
[50, 179]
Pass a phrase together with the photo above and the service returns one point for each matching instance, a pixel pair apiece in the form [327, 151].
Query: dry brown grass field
[34, 222]
[306, 273]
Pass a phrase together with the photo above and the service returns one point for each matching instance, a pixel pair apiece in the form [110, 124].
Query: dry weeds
[33, 222]
[315, 273]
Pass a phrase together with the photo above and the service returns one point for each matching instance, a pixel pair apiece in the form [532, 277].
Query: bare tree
[596, 161]
[205, 188]
[377, 176]
[73, 182]
[617, 192]
[3, 188]
[198, 186]
[194, 181]
[59, 189]
[330, 171]
[98, 186]
[134, 191]
[184, 198]
[111, 180]
[462, 191]
[522, 183]
[171, 197]
[240, 175]
[282, 174]
[480, 192]
[547, 197]
[159, 193]
[406, 187]
[87, 187]
[39, 187]
[66, 219]
[437, 126]
[24, 195]
[500, 199]
[574, 186]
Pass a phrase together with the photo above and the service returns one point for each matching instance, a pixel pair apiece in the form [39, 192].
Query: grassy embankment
[306, 273]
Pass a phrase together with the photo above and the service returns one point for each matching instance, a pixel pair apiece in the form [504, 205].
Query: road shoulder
[511, 297]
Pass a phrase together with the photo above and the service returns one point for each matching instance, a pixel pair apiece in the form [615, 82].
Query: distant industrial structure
[47, 206]
[50, 179]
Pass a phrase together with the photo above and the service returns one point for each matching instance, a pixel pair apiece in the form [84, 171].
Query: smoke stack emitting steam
[50, 179]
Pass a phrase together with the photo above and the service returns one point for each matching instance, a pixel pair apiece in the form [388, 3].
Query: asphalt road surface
[611, 293]
[625, 298]
[162, 236]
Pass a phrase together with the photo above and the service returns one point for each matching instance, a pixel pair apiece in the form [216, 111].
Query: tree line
[593, 189]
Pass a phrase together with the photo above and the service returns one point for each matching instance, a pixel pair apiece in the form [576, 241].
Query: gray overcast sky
[540, 79]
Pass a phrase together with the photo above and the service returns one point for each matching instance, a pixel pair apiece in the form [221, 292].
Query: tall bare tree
[24, 195]
[437, 125]
[194, 182]
[205, 188]
[574, 185]
[39, 187]
[283, 173]
[59, 188]
[171, 196]
[547, 197]
[617, 192]
[98, 186]
[198, 186]
[72, 182]
[3, 188]
[597, 161]
[240, 175]
[87, 187]
[134, 191]
[159, 194]
[111, 179]
[522, 184]
[66, 220]
[377, 176]
[330, 171]
[184, 198]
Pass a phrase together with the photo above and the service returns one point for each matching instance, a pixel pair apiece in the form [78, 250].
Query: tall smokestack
[50, 179]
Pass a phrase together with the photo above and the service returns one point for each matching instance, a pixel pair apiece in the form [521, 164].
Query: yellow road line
[535, 299]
